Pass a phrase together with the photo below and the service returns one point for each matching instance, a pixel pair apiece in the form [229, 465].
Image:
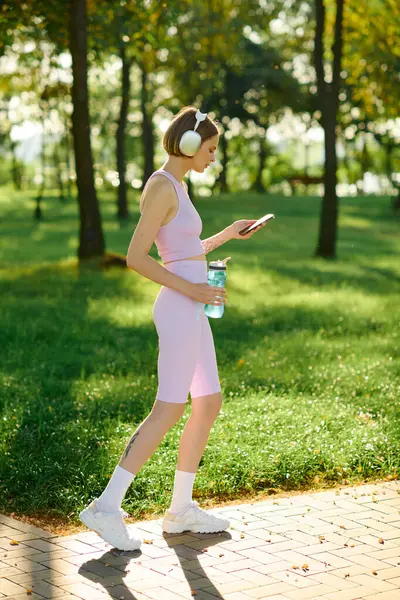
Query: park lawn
[308, 354]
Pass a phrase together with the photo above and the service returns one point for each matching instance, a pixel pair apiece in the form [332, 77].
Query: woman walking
[187, 360]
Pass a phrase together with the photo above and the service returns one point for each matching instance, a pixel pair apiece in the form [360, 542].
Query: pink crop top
[179, 238]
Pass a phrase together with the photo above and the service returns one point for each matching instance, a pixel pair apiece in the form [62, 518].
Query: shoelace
[210, 518]
[119, 524]
[122, 512]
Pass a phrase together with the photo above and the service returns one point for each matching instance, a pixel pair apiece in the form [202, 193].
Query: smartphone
[256, 224]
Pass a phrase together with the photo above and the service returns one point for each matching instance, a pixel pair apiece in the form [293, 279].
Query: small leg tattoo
[130, 443]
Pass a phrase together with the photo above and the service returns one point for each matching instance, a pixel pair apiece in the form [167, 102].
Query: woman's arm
[160, 198]
[230, 233]
[216, 240]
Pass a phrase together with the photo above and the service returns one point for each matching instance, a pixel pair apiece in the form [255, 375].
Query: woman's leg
[205, 390]
[178, 327]
[193, 441]
[141, 446]
[150, 433]
[197, 429]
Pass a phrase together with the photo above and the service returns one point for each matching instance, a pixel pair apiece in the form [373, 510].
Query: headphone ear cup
[190, 143]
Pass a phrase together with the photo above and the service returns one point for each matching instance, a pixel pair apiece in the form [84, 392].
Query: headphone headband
[199, 118]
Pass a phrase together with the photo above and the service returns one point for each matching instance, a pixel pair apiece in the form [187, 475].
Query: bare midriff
[200, 257]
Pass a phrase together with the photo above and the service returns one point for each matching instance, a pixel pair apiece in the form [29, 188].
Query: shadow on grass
[370, 279]
[52, 349]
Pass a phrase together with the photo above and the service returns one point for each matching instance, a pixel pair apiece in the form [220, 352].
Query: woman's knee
[207, 407]
[168, 412]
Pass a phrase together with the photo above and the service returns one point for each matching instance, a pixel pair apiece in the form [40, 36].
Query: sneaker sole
[87, 519]
[175, 528]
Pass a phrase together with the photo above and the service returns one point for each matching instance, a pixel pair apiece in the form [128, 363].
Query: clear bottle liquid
[216, 278]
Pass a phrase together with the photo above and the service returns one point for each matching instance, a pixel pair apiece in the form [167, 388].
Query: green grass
[308, 354]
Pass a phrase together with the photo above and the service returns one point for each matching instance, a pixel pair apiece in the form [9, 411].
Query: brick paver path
[341, 544]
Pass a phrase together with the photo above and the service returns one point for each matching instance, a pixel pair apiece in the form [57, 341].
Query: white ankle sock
[183, 487]
[110, 500]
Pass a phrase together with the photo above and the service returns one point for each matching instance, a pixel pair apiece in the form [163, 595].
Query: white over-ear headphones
[191, 140]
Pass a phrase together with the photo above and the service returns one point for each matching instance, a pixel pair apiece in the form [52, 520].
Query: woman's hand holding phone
[245, 228]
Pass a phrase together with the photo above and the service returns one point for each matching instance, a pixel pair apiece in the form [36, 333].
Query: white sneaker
[193, 519]
[110, 526]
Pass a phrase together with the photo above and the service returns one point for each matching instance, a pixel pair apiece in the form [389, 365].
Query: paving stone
[43, 545]
[60, 580]
[335, 533]
[331, 580]
[234, 586]
[215, 575]
[316, 591]
[320, 547]
[331, 560]
[26, 527]
[385, 553]
[32, 596]
[254, 577]
[389, 573]
[82, 559]
[7, 571]
[27, 578]
[383, 596]
[61, 566]
[242, 596]
[356, 593]
[42, 556]
[370, 563]
[295, 578]
[374, 583]
[77, 546]
[85, 592]
[268, 590]
[8, 587]
[47, 590]
[203, 595]
[24, 564]
[20, 551]
[246, 563]
[22, 537]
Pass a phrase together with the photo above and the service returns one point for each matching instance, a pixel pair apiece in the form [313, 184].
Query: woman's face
[205, 155]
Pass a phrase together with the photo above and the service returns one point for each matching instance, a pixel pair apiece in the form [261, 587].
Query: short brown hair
[183, 121]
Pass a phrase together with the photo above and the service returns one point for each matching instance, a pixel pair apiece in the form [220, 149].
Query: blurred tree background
[306, 93]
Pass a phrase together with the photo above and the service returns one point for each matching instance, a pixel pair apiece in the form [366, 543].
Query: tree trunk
[148, 133]
[221, 184]
[396, 202]
[328, 96]
[389, 147]
[258, 185]
[16, 167]
[364, 160]
[38, 214]
[306, 157]
[123, 212]
[68, 155]
[57, 164]
[91, 241]
[329, 213]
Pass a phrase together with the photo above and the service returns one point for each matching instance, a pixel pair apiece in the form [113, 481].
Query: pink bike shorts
[186, 360]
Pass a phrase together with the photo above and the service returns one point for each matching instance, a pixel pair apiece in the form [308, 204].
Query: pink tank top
[179, 238]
